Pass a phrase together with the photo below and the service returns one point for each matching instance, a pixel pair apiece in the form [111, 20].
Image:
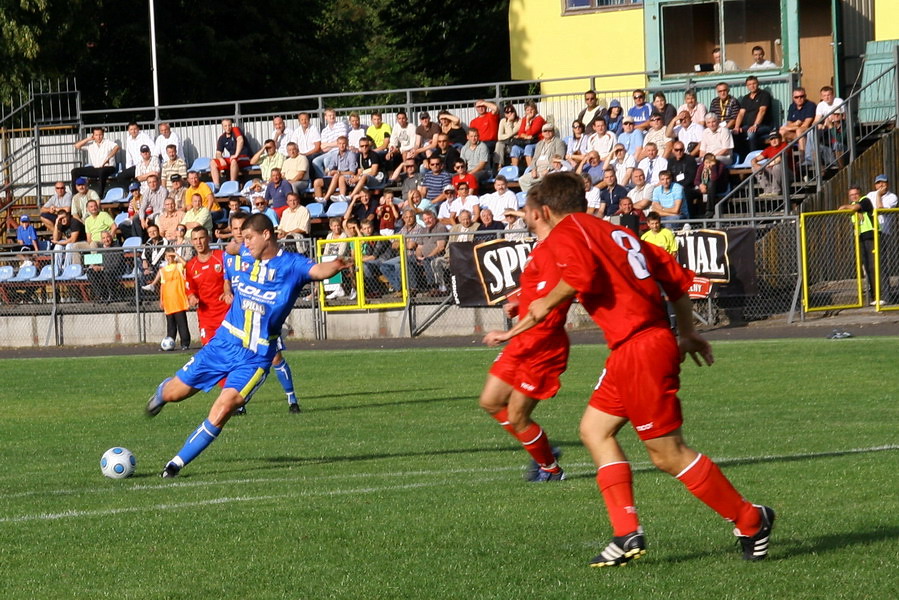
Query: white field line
[586, 467]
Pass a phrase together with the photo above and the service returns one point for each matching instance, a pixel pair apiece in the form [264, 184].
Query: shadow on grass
[371, 393]
[473, 400]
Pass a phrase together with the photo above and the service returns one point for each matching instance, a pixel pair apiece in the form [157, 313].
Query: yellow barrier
[361, 302]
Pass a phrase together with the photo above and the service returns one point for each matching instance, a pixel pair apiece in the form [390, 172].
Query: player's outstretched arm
[329, 269]
[690, 342]
[541, 307]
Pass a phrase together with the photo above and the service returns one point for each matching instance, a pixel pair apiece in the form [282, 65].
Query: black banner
[485, 274]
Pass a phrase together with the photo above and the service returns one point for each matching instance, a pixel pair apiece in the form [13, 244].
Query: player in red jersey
[617, 279]
[205, 275]
[528, 370]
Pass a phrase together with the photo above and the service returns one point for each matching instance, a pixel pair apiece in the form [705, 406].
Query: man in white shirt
[500, 199]
[657, 134]
[134, 141]
[307, 137]
[281, 134]
[652, 165]
[641, 193]
[686, 131]
[759, 61]
[403, 141]
[601, 140]
[332, 130]
[101, 157]
[166, 138]
[717, 140]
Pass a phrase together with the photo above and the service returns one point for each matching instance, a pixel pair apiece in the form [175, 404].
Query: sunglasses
[798, 97]
[639, 97]
[60, 187]
[678, 149]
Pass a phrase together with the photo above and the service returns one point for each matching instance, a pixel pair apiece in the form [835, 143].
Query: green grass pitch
[392, 484]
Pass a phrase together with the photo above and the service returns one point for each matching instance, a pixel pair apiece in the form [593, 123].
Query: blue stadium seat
[26, 273]
[72, 271]
[6, 272]
[247, 186]
[522, 198]
[46, 274]
[747, 162]
[229, 188]
[510, 173]
[316, 210]
[122, 216]
[113, 196]
[337, 209]
[201, 164]
[132, 242]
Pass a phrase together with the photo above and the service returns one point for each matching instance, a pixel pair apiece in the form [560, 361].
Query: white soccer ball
[118, 463]
[167, 344]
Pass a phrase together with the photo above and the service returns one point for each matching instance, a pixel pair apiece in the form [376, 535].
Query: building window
[718, 35]
[578, 6]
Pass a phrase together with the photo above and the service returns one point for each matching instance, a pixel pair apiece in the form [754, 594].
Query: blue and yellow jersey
[264, 294]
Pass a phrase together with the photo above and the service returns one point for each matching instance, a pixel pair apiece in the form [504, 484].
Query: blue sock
[196, 442]
[286, 378]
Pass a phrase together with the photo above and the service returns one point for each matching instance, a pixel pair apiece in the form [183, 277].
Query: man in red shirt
[206, 284]
[528, 370]
[487, 124]
[617, 279]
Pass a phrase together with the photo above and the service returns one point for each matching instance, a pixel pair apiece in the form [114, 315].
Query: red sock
[616, 485]
[706, 481]
[503, 418]
[537, 444]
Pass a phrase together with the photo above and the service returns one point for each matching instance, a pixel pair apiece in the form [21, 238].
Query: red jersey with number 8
[617, 277]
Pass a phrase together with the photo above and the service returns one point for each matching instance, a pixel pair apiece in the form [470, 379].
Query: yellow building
[886, 22]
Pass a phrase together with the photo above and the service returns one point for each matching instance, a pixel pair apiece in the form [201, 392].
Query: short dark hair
[752, 78]
[199, 229]
[238, 217]
[258, 222]
[653, 216]
[561, 192]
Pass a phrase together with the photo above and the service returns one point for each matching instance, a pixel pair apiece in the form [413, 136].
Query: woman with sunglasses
[578, 146]
[508, 127]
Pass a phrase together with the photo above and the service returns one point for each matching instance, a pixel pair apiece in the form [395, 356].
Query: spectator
[464, 202]
[668, 199]
[295, 222]
[261, 205]
[754, 121]
[610, 195]
[501, 198]
[451, 125]
[460, 232]
[881, 198]
[829, 121]
[659, 235]
[508, 129]
[578, 144]
[486, 124]
[656, 134]
[683, 171]
[404, 141]
[169, 219]
[281, 134]
[410, 231]
[222, 226]
[181, 244]
[661, 108]
[718, 66]
[863, 215]
[710, 179]
[330, 133]
[427, 133]
[369, 173]
[152, 256]
[295, 168]
[379, 132]
[476, 156]
[696, 109]
[634, 218]
[717, 140]
[416, 203]
[340, 167]
[361, 206]
[100, 156]
[97, 223]
[516, 226]
[374, 254]
[339, 249]
[759, 61]
[146, 166]
[133, 226]
[688, 133]
[69, 235]
[429, 248]
[26, 236]
[768, 166]
[172, 165]
[177, 191]
[631, 138]
[386, 214]
[460, 168]
[173, 297]
[602, 140]
[652, 164]
[134, 141]
[725, 107]
[276, 192]
[59, 200]
[445, 151]
[488, 223]
[307, 137]
[591, 166]
[167, 138]
[623, 164]
[444, 216]
[434, 181]
[640, 111]
[641, 193]
[407, 176]
[268, 158]
[154, 198]
[544, 151]
[195, 186]
[615, 117]
[197, 216]
[231, 153]
[592, 109]
[105, 278]
[529, 133]
[591, 193]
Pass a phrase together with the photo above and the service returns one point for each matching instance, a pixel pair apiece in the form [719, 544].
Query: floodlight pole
[153, 69]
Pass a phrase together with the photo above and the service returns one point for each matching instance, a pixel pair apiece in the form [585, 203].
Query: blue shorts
[243, 370]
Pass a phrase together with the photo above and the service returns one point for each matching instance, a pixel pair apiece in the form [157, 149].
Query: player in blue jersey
[233, 260]
[265, 288]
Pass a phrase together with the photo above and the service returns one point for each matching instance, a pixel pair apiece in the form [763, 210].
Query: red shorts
[223, 163]
[641, 381]
[207, 331]
[533, 371]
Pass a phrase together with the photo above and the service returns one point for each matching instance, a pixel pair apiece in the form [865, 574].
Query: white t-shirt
[823, 108]
[499, 203]
[889, 200]
[593, 198]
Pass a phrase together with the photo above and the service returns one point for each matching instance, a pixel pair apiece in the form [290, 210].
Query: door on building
[817, 44]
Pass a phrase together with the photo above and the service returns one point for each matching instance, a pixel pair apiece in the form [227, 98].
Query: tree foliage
[226, 50]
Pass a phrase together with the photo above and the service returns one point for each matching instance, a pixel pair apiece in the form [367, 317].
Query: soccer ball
[167, 344]
[118, 463]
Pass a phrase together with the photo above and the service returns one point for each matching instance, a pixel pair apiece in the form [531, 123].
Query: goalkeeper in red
[617, 280]
[528, 370]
